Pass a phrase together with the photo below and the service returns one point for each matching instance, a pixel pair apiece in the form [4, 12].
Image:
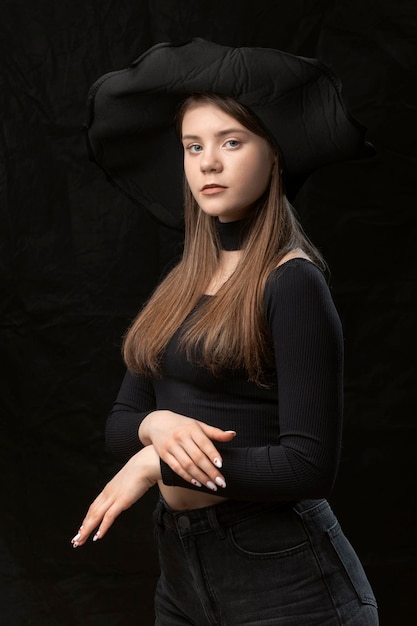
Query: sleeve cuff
[168, 476]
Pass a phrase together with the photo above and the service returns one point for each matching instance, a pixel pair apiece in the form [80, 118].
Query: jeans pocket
[352, 565]
[269, 533]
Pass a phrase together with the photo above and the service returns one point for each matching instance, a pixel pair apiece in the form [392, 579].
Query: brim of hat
[130, 124]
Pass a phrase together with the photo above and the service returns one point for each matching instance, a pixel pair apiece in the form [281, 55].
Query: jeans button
[183, 522]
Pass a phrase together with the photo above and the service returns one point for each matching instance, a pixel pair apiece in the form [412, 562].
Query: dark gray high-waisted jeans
[242, 563]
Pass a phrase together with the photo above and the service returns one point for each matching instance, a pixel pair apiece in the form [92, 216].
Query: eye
[194, 148]
[232, 143]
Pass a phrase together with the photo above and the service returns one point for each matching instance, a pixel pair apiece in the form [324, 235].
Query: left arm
[308, 345]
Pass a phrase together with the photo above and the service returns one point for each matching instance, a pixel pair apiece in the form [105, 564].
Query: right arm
[185, 444]
[135, 400]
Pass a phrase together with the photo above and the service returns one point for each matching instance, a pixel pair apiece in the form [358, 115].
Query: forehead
[202, 115]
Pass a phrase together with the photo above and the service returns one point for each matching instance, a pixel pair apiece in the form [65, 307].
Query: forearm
[121, 433]
[134, 402]
[268, 473]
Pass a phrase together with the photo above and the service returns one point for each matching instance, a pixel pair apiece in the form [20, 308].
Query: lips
[212, 189]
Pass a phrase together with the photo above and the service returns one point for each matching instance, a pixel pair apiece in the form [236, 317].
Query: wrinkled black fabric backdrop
[78, 260]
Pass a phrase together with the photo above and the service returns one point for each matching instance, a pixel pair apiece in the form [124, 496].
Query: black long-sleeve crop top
[289, 434]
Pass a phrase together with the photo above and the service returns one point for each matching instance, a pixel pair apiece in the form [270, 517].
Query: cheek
[257, 180]
[257, 171]
[265, 172]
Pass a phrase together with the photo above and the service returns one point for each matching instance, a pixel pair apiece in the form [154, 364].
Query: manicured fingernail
[217, 462]
[211, 485]
[231, 431]
[195, 483]
[74, 539]
[220, 482]
[75, 544]
[96, 536]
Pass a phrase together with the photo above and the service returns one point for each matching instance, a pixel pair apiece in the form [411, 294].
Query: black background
[78, 259]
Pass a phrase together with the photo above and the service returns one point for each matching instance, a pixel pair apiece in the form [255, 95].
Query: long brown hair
[228, 330]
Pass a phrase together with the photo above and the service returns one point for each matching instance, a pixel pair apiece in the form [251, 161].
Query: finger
[110, 516]
[93, 518]
[208, 460]
[195, 457]
[206, 445]
[99, 523]
[224, 435]
[197, 470]
[217, 434]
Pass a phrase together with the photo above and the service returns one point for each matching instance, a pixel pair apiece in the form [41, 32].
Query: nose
[210, 161]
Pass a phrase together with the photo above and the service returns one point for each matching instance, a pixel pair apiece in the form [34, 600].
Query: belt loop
[214, 523]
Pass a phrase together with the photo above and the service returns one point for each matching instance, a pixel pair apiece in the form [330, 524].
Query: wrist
[152, 463]
[147, 462]
[149, 424]
[144, 430]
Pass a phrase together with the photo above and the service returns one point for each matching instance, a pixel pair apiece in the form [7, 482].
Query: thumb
[219, 435]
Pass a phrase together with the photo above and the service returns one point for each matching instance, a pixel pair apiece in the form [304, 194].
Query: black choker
[231, 234]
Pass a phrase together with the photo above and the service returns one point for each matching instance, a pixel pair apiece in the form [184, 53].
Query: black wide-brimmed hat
[130, 127]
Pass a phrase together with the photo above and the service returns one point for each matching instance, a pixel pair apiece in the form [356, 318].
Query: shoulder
[295, 267]
[298, 303]
[297, 253]
[294, 270]
[296, 283]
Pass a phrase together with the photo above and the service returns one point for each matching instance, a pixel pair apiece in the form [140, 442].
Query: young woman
[232, 402]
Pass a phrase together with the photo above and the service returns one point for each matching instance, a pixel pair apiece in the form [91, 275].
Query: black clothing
[288, 436]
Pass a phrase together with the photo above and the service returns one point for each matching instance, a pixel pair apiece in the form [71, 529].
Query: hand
[185, 444]
[135, 478]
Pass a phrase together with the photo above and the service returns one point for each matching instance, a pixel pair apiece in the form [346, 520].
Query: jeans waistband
[217, 516]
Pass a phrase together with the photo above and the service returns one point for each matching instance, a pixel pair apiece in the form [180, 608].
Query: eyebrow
[221, 133]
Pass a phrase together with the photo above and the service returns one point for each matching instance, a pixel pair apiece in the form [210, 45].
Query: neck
[231, 234]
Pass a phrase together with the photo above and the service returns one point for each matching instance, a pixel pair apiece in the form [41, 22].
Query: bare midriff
[182, 499]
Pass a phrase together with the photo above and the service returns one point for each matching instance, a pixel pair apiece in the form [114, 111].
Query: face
[227, 167]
